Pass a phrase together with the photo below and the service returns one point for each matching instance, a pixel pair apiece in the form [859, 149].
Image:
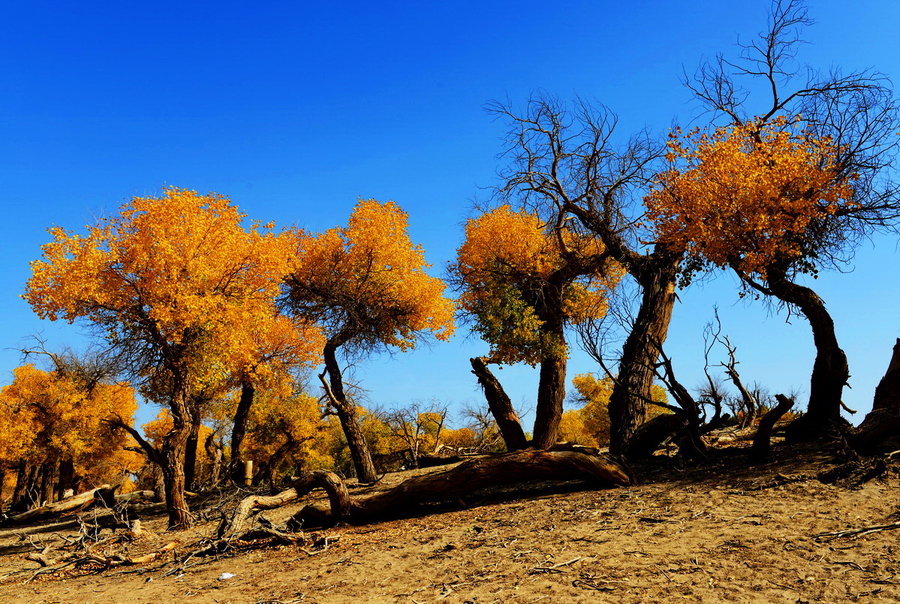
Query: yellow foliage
[589, 425]
[747, 195]
[508, 264]
[180, 274]
[368, 280]
[276, 419]
[48, 417]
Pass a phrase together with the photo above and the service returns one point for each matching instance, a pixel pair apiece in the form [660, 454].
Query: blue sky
[296, 109]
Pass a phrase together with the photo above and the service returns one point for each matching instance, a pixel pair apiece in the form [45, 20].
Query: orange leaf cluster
[181, 274]
[746, 195]
[507, 262]
[47, 417]
[368, 281]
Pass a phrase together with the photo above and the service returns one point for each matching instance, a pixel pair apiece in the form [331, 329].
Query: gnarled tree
[785, 191]
[366, 285]
[525, 278]
[172, 283]
[564, 163]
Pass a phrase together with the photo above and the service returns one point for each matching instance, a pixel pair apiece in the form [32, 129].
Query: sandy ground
[729, 533]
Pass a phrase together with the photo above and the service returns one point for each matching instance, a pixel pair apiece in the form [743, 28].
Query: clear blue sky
[295, 109]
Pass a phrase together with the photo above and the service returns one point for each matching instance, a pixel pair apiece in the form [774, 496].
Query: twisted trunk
[830, 370]
[759, 453]
[346, 412]
[627, 402]
[423, 493]
[500, 406]
[239, 431]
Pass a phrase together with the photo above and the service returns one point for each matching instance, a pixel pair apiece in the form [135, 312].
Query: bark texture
[500, 406]
[172, 459]
[420, 493]
[830, 369]
[346, 412]
[551, 390]
[627, 402]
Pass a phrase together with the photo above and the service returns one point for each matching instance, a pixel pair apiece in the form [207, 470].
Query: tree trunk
[346, 412]
[830, 370]
[239, 431]
[880, 431]
[631, 390]
[500, 406]
[762, 441]
[17, 502]
[887, 393]
[48, 482]
[648, 437]
[172, 457]
[32, 487]
[551, 393]
[66, 477]
[190, 453]
[421, 492]
[214, 453]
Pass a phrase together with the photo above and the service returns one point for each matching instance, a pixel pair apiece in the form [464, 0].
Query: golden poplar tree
[366, 285]
[524, 281]
[178, 284]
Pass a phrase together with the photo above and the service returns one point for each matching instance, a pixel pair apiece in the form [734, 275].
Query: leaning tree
[565, 162]
[784, 187]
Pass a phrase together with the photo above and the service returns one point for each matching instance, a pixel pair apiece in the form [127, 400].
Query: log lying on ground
[409, 497]
[135, 496]
[759, 452]
[76, 502]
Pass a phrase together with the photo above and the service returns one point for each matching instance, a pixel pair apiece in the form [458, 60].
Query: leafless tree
[564, 162]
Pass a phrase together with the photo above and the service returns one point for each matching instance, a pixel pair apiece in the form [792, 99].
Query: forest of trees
[242, 332]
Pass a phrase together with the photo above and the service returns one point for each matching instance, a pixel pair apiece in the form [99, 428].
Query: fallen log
[76, 502]
[412, 495]
[240, 519]
[408, 497]
[135, 496]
